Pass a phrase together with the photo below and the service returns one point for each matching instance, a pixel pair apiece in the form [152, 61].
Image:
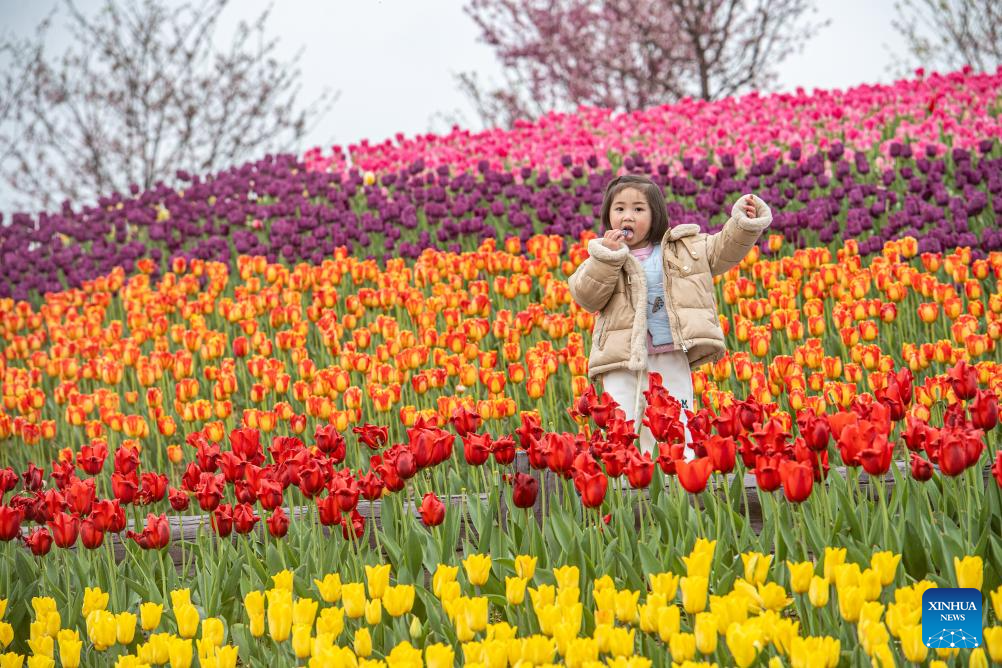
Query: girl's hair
[655, 200]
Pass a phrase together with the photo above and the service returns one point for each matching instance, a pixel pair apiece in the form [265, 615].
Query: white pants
[676, 377]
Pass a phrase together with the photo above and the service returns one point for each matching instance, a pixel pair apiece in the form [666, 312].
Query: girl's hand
[612, 239]
[749, 207]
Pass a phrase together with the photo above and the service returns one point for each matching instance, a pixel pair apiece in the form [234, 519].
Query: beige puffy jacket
[613, 283]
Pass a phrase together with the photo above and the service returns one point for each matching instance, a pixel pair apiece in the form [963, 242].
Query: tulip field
[334, 409]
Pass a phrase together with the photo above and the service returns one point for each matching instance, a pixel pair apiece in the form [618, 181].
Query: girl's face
[630, 213]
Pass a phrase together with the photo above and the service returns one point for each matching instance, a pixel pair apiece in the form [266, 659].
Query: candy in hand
[627, 233]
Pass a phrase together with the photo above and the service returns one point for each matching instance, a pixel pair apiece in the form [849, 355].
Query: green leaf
[914, 553]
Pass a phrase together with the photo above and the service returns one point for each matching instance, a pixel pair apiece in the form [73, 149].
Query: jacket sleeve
[593, 282]
[727, 247]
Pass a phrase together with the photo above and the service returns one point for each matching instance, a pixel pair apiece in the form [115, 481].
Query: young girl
[652, 286]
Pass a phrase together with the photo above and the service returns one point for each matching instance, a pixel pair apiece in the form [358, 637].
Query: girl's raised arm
[727, 247]
[593, 282]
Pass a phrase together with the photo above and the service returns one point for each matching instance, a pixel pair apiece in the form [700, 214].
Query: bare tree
[949, 34]
[630, 54]
[142, 91]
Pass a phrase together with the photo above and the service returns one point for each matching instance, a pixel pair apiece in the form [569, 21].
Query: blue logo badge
[951, 618]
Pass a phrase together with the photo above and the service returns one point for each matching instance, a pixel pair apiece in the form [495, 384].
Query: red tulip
[640, 471]
[32, 477]
[10, 523]
[797, 479]
[953, 458]
[126, 460]
[207, 455]
[771, 437]
[222, 520]
[984, 410]
[876, 459]
[665, 426]
[465, 421]
[602, 409]
[815, 430]
[39, 542]
[525, 490]
[328, 510]
[371, 486]
[476, 448]
[432, 510]
[921, 468]
[405, 465]
[80, 496]
[767, 472]
[503, 450]
[560, 452]
[693, 475]
[373, 436]
[355, 524]
[153, 489]
[246, 444]
[997, 468]
[269, 493]
[916, 434]
[346, 494]
[592, 487]
[179, 500]
[90, 534]
[311, 478]
[278, 523]
[244, 518]
[330, 442]
[209, 491]
[65, 528]
[529, 432]
[155, 535]
[232, 466]
[91, 457]
[615, 461]
[8, 480]
[964, 379]
[722, 452]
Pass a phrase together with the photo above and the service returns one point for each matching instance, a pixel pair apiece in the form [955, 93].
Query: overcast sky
[394, 61]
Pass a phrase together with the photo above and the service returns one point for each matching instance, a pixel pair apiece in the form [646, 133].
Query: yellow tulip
[149, 614]
[363, 642]
[353, 599]
[43, 646]
[547, 594]
[819, 591]
[69, 648]
[871, 610]
[756, 566]
[882, 657]
[872, 634]
[525, 566]
[226, 656]
[538, 649]
[912, 645]
[706, 631]
[125, 627]
[41, 661]
[993, 641]
[398, 600]
[847, 575]
[101, 629]
[180, 653]
[567, 576]
[478, 568]
[945, 652]
[283, 580]
[900, 616]
[970, 572]
[698, 563]
[6, 634]
[450, 592]
[514, 589]
[669, 622]
[304, 611]
[94, 599]
[378, 579]
[800, 575]
[11, 660]
[682, 647]
[443, 574]
[213, 631]
[665, 584]
[885, 563]
[850, 601]
[626, 606]
[869, 584]
[42, 605]
[834, 556]
[602, 583]
[772, 596]
[301, 641]
[254, 604]
[373, 612]
[279, 620]
[329, 588]
[621, 641]
[187, 621]
[742, 641]
[694, 593]
[331, 622]
[996, 597]
[978, 659]
[3, 607]
[783, 634]
[649, 617]
[179, 598]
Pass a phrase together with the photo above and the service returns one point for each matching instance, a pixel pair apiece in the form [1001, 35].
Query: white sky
[393, 61]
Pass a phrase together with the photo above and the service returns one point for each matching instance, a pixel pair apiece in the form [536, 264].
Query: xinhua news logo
[951, 618]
